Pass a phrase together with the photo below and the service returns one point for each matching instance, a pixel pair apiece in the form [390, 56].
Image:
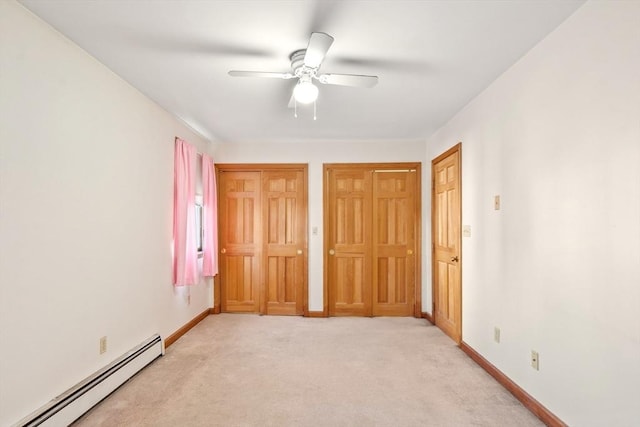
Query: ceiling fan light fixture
[305, 64]
[305, 92]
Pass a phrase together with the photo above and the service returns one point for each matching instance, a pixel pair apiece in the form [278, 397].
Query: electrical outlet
[103, 345]
[535, 360]
[496, 334]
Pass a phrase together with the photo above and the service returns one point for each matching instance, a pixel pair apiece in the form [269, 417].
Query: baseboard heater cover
[73, 403]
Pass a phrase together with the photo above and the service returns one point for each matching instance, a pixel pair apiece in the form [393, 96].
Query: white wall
[315, 154]
[558, 268]
[86, 190]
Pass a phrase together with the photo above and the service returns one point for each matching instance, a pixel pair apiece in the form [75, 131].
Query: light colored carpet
[248, 370]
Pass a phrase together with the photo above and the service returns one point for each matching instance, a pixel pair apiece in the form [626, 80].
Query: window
[199, 223]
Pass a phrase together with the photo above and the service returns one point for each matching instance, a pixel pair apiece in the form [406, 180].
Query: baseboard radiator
[73, 403]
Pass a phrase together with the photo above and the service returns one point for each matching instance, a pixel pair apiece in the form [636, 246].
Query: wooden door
[372, 229]
[349, 241]
[446, 238]
[284, 215]
[240, 240]
[394, 242]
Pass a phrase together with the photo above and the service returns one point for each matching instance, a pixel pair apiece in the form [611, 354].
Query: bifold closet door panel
[284, 241]
[349, 258]
[394, 243]
[240, 240]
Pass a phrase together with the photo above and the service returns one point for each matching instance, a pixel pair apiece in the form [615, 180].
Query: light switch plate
[466, 231]
[496, 202]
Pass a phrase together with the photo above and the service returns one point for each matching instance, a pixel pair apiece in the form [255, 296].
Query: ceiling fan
[305, 65]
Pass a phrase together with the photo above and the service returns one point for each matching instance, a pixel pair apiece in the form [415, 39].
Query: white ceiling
[432, 57]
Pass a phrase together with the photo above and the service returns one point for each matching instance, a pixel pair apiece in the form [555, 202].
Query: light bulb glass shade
[305, 92]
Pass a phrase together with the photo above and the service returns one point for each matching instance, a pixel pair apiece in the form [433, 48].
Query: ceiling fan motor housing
[297, 64]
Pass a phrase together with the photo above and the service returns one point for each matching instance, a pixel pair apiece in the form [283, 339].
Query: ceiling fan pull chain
[295, 108]
[314, 110]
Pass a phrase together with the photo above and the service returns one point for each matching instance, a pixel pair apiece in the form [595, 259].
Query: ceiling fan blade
[319, 44]
[266, 74]
[355, 80]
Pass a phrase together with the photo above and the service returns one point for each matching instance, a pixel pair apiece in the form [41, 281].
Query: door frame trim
[434, 285]
[326, 167]
[218, 290]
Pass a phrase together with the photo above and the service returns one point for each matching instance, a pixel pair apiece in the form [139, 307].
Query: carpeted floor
[248, 370]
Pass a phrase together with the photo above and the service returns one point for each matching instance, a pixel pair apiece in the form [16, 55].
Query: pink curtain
[185, 251]
[210, 220]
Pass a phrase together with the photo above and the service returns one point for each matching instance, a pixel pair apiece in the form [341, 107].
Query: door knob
[331, 252]
[454, 259]
[299, 251]
[409, 252]
[223, 251]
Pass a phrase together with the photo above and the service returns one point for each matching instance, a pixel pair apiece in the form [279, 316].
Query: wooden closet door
[394, 243]
[284, 241]
[240, 240]
[349, 257]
